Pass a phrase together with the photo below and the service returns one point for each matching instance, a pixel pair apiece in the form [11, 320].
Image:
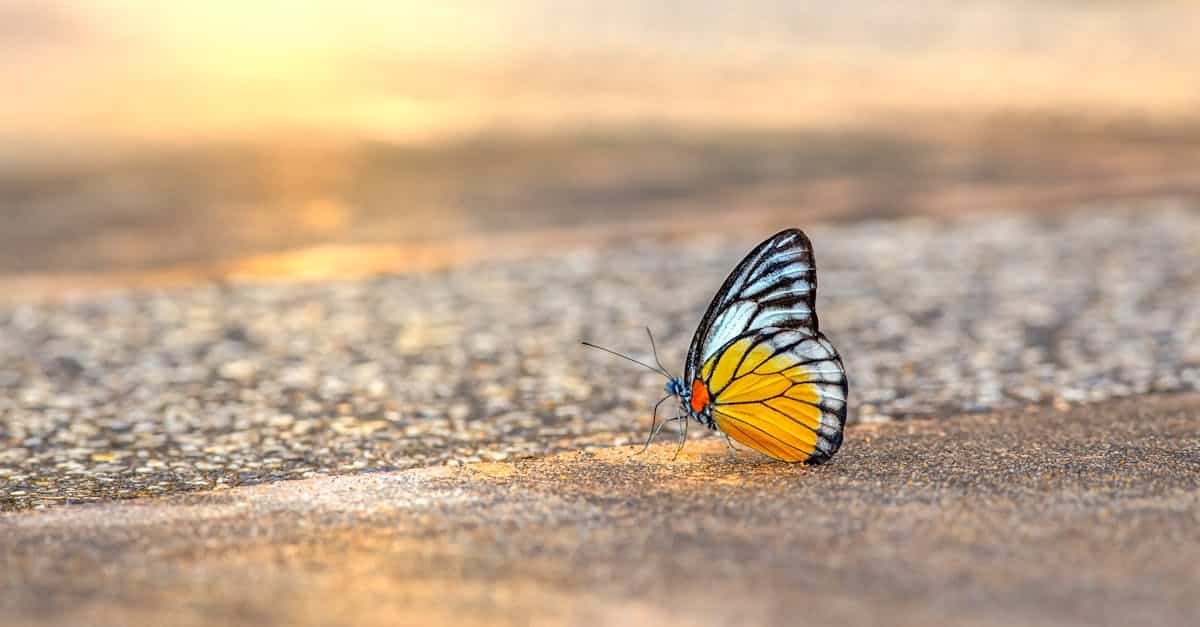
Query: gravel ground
[1081, 517]
[150, 393]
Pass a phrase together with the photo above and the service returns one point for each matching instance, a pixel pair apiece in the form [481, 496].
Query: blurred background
[145, 141]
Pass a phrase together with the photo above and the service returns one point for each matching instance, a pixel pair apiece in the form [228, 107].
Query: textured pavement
[344, 384]
[157, 392]
[1089, 516]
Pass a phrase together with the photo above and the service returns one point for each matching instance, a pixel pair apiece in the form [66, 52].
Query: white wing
[774, 286]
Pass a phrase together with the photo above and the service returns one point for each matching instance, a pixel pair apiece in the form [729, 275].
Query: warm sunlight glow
[136, 70]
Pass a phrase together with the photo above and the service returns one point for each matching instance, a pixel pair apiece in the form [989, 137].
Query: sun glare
[104, 70]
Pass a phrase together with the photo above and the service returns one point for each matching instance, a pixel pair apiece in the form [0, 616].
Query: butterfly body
[758, 369]
[694, 400]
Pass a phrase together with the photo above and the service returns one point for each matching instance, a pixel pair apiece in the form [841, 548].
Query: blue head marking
[675, 387]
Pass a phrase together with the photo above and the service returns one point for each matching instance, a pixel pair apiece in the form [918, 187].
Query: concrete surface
[156, 392]
[1084, 517]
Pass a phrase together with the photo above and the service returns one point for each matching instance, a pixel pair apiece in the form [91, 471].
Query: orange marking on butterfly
[699, 396]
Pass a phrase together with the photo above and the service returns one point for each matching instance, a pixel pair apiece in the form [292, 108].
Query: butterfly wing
[775, 383]
[779, 391]
[774, 285]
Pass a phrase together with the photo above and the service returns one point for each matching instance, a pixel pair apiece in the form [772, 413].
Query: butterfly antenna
[654, 349]
[659, 370]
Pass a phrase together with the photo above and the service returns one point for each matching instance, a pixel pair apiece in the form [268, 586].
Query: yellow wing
[782, 392]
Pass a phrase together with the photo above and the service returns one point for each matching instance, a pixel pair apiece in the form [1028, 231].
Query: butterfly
[759, 370]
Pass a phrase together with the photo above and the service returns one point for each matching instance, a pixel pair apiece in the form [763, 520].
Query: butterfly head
[675, 387]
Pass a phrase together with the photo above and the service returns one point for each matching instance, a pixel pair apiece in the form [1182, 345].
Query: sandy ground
[317, 380]
[435, 448]
[154, 392]
[1083, 517]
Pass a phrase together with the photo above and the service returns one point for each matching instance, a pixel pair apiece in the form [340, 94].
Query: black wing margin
[773, 286]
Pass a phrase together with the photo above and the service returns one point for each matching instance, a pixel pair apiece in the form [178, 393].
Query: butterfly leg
[731, 451]
[682, 437]
[654, 433]
[655, 426]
